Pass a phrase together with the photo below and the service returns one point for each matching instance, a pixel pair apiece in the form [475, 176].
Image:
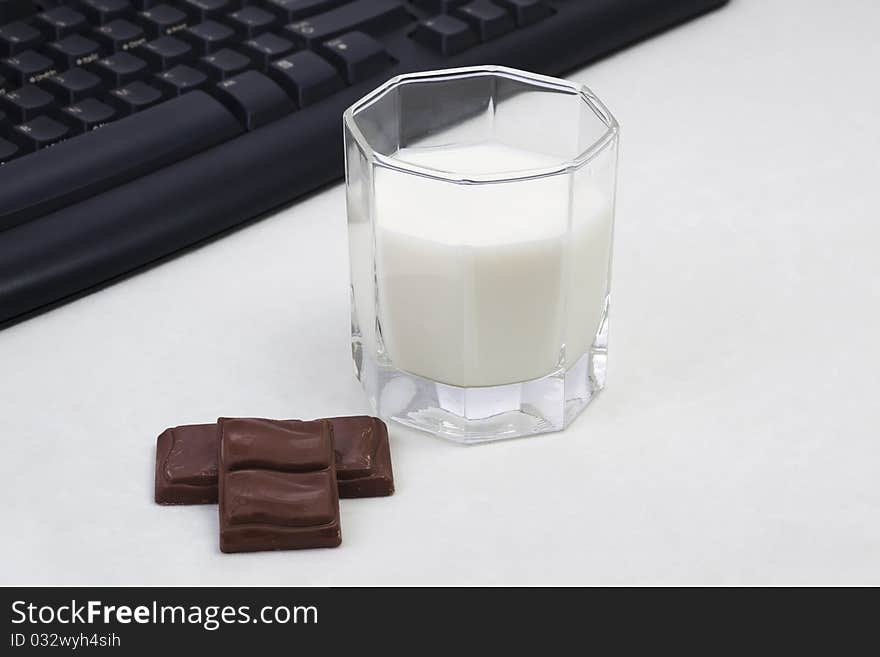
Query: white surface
[738, 440]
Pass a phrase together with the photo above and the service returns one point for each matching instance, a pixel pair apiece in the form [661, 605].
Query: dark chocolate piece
[363, 457]
[186, 461]
[277, 485]
[186, 465]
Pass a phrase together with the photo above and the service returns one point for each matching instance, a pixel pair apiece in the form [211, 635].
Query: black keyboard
[130, 129]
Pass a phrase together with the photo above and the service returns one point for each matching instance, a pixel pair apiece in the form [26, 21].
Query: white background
[739, 438]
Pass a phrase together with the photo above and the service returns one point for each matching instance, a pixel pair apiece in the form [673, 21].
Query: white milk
[483, 285]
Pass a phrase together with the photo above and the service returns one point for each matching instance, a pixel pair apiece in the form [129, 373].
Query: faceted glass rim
[565, 166]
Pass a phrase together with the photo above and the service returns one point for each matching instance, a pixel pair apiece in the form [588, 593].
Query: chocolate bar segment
[363, 457]
[277, 499]
[186, 465]
[186, 457]
[290, 445]
[277, 485]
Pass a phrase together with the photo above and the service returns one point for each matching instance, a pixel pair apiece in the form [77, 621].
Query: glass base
[475, 415]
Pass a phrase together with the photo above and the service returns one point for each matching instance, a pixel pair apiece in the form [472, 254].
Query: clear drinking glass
[480, 218]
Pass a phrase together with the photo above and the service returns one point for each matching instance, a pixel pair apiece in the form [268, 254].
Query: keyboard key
[488, 19]
[163, 20]
[120, 34]
[358, 56]
[527, 12]
[202, 10]
[165, 52]
[60, 22]
[17, 37]
[117, 153]
[254, 99]
[27, 67]
[39, 133]
[224, 64]
[251, 21]
[74, 84]
[266, 48]
[12, 9]
[26, 103]
[8, 151]
[181, 79]
[371, 16]
[307, 77]
[120, 69]
[208, 36]
[134, 97]
[439, 6]
[74, 50]
[291, 10]
[446, 35]
[104, 11]
[4, 86]
[88, 114]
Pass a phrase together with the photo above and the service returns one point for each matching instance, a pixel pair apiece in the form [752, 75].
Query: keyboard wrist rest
[139, 222]
[98, 160]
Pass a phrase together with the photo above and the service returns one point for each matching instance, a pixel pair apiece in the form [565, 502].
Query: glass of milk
[480, 216]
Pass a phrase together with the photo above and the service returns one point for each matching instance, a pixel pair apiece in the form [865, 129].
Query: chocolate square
[277, 485]
[186, 465]
[363, 457]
